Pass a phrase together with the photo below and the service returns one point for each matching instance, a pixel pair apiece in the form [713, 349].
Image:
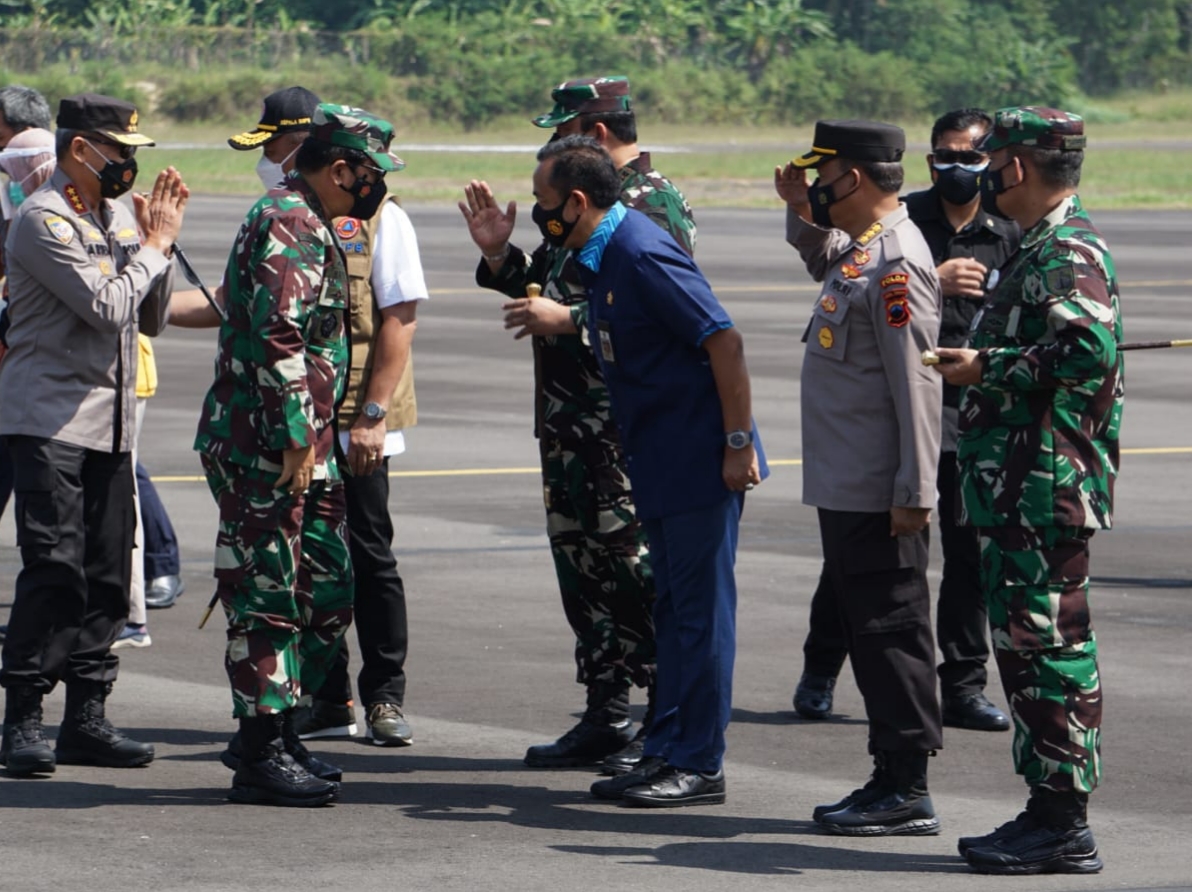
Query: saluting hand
[790, 183]
[159, 213]
[489, 226]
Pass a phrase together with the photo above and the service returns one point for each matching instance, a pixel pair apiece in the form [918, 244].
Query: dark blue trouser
[693, 555]
[161, 542]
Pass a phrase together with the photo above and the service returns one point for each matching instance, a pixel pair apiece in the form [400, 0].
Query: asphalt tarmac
[490, 667]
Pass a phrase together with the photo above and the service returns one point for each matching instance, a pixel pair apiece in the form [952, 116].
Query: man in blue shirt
[675, 369]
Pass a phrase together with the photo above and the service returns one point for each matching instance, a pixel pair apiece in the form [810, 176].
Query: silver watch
[375, 411]
[739, 439]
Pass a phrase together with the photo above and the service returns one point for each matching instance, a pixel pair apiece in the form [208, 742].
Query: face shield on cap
[29, 160]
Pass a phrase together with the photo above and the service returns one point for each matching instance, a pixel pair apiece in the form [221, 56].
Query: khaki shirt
[81, 285]
[870, 408]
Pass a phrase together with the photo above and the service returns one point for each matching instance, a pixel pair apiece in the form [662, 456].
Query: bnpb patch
[348, 227]
[898, 312]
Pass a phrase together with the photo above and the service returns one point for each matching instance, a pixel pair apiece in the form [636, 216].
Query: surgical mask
[272, 174]
[958, 184]
[15, 195]
[367, 197]
[555, 230]
[116, 178]
[822, 198]
[992, 185]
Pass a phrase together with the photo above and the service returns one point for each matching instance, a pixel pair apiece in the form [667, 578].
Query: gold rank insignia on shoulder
[126, 233]
[826, 338]
[869, 234]
[609, 299]
[76, 201]
[60, 229]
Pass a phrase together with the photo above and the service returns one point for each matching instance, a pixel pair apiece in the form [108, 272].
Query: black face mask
[992, 185]
[552, 225]
[822, 198]
[366, 198]
[956, 185]
[116, 178]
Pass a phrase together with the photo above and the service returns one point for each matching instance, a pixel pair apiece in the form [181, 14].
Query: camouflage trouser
[285, 582]
[601, 560]
[1036, 586]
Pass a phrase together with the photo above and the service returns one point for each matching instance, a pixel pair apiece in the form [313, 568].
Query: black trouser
[380, 599]
[879, 585]
[960, 611]
[75, 523]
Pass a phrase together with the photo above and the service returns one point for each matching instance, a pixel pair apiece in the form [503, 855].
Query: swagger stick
[930, 357]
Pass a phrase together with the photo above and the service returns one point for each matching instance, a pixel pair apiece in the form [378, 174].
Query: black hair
[62, 140]
[886, 175]
[960, 120]
[314, 154]
[24, 108]
[581, 163]
[1059, 168]
[621, 124]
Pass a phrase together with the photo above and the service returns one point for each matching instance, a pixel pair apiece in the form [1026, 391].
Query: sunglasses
[951, 156]
[124, 151]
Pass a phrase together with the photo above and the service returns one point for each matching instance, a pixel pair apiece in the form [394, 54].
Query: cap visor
[251, 140]
[387, 161]
[811, 159]
[555, 117]
[128, 139]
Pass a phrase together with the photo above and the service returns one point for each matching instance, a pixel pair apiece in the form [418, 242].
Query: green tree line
[468, 61]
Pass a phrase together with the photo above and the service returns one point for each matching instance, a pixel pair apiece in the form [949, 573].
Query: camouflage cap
[1032, 125]
[354, 128]
[584, 96]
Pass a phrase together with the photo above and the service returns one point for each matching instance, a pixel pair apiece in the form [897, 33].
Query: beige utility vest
[356, 237]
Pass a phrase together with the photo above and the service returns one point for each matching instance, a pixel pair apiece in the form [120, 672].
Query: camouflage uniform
[598, 546]
[284, 578]
[1037, 459]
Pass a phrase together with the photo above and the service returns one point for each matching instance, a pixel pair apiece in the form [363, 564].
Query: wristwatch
[375, 411]
[739, 439]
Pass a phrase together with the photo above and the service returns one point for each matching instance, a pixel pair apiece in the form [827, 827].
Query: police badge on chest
[604, 331]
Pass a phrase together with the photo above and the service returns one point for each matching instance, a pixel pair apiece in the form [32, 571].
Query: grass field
[1140, 155]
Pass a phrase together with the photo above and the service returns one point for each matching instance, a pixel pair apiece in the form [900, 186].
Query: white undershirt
[396, 278]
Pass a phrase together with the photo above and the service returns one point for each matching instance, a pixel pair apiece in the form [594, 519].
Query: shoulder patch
[898, 312]
[60, 229]
[895, 279]
[1060, 278]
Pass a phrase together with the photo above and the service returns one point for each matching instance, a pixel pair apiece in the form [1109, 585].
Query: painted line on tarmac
[496, 472]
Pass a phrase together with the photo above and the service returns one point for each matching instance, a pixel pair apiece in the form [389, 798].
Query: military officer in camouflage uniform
[871, 435]
[1038, 454]
[266, 437]
[599, 549]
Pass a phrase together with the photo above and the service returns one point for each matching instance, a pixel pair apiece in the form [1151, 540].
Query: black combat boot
[867, 793]
[88, 738]
[268, 775]
[897, 804]
[604, 729]
[294, 746]
[24, 749]
[626, 759]
[1053, 837]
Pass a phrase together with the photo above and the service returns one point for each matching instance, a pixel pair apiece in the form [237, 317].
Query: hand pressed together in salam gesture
[159, 212]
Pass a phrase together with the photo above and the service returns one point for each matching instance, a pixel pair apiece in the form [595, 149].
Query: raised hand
[489, 226]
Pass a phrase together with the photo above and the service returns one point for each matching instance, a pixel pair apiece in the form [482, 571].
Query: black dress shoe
[672, 787]
[813, 696]
[163, 591]
[974, 712]
[642, 773]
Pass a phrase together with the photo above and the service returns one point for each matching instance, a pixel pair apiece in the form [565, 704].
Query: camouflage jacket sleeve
[518, 271]
[1068, 312]
[818, 247]
[289, 272]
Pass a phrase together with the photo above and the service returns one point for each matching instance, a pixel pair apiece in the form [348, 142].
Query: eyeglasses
[965, 158]
[124, 151]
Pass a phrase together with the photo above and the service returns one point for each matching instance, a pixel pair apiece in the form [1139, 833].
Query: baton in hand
[930, 357]
[207, 613]
[193, 277]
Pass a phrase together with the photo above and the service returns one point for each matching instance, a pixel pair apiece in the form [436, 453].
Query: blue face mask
[15, 194]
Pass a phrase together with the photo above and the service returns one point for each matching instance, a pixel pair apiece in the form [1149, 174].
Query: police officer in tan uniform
[871, 434]
[83, 282]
